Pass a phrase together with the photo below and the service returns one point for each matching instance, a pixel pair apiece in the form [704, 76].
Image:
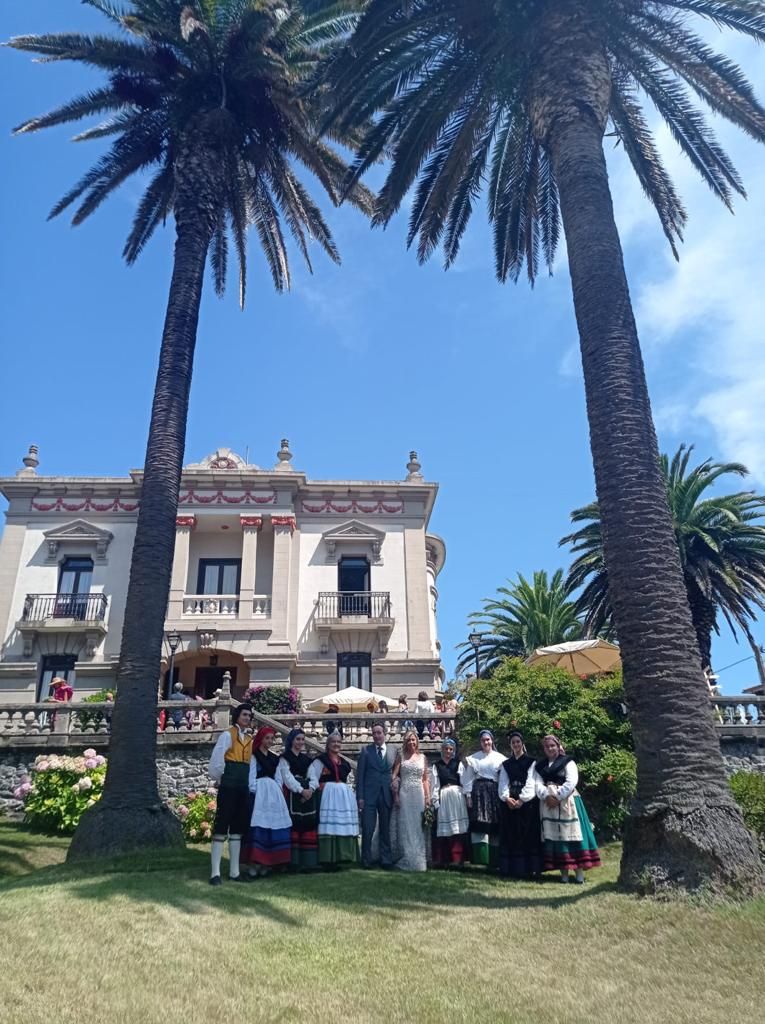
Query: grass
[152, 942]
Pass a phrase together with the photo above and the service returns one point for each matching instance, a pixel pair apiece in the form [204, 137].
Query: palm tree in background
[210, 100]
[525, 615]
[722, 551]
[513, 98]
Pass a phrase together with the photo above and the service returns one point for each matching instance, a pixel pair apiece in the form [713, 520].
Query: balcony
[226, 606]
[347, 616]
[47, 614]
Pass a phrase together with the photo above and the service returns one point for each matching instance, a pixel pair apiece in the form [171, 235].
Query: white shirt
[217, 763]
[504, 782]
[423, 707]
[288, 778]
[536, 787]
[255, 768]
[383, 747]
[481, 766]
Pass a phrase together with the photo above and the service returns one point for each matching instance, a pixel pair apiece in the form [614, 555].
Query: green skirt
[484, 849]
[338, 849]
[573, 855]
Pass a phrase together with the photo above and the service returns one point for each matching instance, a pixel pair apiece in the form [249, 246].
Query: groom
[374, 795]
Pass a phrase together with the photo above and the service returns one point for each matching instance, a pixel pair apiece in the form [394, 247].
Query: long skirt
[305, 820]
[520, 846]
[574, 854]
[484, 823]
[338, 825]
[269, 839]
[450, 841]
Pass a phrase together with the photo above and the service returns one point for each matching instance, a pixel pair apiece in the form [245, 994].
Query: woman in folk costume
[338, 811]
[479, 782]
[450, 839]
[269, 839]
[302, 801]
[520, 846]
[568, 842]
[230, 768]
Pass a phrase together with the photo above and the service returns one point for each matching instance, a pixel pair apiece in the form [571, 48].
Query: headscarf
[549, 736]
[290, 738]
[298, 763]
[261, 734]
[486, 732]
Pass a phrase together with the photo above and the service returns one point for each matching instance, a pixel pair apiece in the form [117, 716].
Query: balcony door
[220, 577]
[353, 584]
[73, 588]
[53, 666]
[354, 669]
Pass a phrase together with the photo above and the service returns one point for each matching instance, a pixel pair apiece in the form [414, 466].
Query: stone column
[11, 547]
[417, 593]
[430, 557]
[183, 527]
[284, 527]
[250, 528]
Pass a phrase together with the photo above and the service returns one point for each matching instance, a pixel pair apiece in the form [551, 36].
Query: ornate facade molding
[356, 533]
[251, 522]
[286, 522]
[185, 522]
[191, 497]
[79, 532]
[383, 506]
[86, 505]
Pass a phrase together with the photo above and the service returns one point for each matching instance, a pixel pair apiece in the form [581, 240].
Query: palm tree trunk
[756, 651]
[703, 616]
[130, 815]
[684, 829]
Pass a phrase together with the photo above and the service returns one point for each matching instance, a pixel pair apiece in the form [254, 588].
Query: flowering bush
[274, 700]
[196, 811]
[60, 788]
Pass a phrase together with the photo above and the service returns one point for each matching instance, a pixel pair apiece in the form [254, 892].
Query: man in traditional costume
[230, 768]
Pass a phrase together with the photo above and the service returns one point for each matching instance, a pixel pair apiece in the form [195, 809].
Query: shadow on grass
[179, 879]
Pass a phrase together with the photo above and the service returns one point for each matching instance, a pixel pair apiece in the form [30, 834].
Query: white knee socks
[234, 847]
[216, 853]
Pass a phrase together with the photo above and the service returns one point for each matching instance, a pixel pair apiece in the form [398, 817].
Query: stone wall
[180, 769]
[744, 754]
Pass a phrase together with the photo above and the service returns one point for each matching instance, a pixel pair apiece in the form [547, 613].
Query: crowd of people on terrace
[516, 814]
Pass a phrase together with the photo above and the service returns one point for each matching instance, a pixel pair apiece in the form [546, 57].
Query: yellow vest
[238, 752]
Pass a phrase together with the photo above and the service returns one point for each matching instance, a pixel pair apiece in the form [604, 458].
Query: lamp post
[173, 642]
[475, 642]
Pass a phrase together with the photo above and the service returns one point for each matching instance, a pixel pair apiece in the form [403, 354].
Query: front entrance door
[208, 680]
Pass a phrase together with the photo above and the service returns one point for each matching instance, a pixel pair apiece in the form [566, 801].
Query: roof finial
[413, 467]
[284, 455]
[31, 462]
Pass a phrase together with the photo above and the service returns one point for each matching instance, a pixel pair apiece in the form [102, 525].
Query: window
[353, 584]
[354, 670]
[54, 665]
[73, 588]
[219, 575]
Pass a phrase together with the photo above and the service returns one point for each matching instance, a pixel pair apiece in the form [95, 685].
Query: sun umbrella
[350, 699]
[582, 657]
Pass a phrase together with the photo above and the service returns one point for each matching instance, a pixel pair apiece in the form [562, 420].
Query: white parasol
[582, 657]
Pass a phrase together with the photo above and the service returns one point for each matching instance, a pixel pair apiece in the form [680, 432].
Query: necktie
[380, 753]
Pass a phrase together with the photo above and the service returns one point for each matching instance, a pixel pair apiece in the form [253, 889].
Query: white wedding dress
[411, 838]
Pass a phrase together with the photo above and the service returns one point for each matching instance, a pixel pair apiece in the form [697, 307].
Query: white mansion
[318, 584]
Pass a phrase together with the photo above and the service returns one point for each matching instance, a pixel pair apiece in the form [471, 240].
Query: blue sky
[359, 364]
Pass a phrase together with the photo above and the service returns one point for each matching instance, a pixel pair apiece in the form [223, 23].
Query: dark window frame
[63, 665]
[66, 566]
[222, 563]
[353, 659]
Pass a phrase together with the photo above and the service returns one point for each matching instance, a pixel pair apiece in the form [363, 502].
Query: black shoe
[239, 878]
[215, 880]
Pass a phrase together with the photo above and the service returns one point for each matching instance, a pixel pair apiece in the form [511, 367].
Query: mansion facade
[277, 579]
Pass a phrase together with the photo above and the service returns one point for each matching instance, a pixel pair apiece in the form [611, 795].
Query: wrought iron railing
[80, 607]
[373, 604]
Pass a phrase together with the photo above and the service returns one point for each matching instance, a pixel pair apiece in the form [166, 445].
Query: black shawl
[448, 774]
[554, 773]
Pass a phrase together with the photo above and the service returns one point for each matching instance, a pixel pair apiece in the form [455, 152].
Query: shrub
[588, 715]
[274, 700]
[60, 789]
[94, 718]
[749, 791]
[196, 811]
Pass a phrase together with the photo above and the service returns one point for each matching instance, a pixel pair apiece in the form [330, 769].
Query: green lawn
[153, 942]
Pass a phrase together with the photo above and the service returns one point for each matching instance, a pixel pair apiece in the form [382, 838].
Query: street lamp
[475, 642]
[173, 642]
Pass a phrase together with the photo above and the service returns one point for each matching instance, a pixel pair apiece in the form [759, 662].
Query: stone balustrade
[736, 713]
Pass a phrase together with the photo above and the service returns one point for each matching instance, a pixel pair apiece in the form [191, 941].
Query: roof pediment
[353, 532]
[78, 531]
[221, 458]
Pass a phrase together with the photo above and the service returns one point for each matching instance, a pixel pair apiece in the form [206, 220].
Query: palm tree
[210, 100]
[722, 550]
[523, 617]
[513, 98]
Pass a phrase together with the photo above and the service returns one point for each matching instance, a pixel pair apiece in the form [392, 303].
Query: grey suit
[373, 779]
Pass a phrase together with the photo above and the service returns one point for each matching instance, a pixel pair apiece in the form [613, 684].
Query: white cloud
[701, 320]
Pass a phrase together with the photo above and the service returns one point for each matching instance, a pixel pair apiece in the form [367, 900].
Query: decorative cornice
[251, 522]
[221, 498]
[185, 522]
[78, 532]
[343, 508]
[86, 505]
[286, 522]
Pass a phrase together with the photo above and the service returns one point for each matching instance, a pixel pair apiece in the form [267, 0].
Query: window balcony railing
[77, 607]
[373, 605]
[218, 606]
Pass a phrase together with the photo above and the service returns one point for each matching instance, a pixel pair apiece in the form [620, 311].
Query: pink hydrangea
[90, 762]
[212, 791]
[90, 752]
[41, 766]
[99, 759]
[211, 805]
[26, 788]
[183, 811]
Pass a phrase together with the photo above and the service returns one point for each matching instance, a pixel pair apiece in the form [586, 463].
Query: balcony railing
[342, 604]
[80, 607]
[218, 606]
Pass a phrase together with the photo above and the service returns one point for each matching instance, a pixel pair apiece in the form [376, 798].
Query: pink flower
[99, 759]
[211, 805]
[191, 796]
[90, 752]
[183, 811]
[42, 766]
[26, 788]
[609, 778]
[556, 724]
[192, 832]
[17, 792]
[212, 790]
[91, 762]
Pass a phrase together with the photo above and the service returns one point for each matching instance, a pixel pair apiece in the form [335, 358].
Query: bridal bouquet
[429, 817]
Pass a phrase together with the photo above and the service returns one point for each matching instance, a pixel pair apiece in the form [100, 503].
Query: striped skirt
[572, 854]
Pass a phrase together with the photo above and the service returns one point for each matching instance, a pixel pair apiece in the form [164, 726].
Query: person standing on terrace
[230, 767]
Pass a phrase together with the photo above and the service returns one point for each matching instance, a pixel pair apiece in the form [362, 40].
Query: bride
[412, 794]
